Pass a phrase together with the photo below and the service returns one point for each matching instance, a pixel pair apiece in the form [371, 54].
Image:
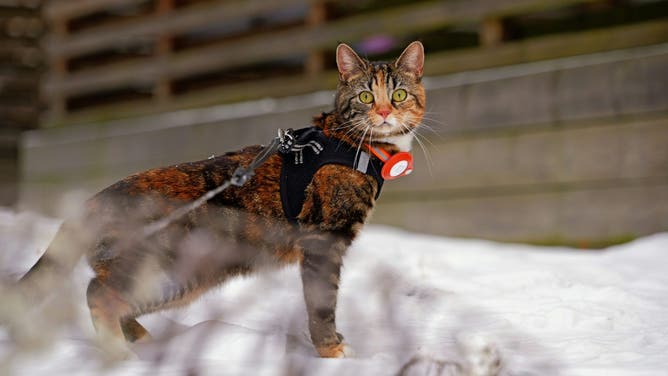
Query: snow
[432, 305]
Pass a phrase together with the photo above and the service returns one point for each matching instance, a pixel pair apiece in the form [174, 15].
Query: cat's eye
[399, 95]
[366, 97]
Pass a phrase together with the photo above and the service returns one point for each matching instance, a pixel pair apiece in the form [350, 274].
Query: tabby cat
[243, 228]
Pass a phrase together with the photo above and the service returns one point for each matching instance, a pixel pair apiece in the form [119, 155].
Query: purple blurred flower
[376, 45]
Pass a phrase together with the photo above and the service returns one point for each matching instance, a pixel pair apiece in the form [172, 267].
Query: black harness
[307, 153]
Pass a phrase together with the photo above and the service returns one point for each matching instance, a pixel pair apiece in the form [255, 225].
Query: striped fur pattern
[242, 230]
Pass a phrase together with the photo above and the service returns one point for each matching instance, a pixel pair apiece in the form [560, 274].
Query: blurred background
[547, 119]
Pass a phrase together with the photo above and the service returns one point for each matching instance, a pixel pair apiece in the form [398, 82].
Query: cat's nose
[384, 112]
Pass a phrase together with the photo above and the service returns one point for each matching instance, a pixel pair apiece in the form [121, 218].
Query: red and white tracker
[394, 166]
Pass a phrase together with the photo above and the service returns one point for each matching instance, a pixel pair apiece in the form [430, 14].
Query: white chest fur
[403, 142]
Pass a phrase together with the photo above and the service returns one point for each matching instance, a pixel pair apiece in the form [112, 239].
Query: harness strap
[310, 151]
[378, 152]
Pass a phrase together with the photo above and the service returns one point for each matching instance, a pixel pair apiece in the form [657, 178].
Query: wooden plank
[9, 176]
[441, 63]
[287, 43]
[491, 32]
[9, 139]
[163, 88]
[19, 116]
[315, 63]
[14, 80]
[57, 102]
[549, 47]
[28, 27]
[186, 19]
[68, 9]
[20, 55]
[18, 8]
[275, 87]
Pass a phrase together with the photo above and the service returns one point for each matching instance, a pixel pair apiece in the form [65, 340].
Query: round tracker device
[394, 166]
[400, 164]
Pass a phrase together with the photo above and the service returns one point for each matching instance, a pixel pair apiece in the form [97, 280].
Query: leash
[282, 143]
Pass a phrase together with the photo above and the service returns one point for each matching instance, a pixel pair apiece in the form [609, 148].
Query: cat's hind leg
[133, 330]
[112, 318]
[106, 308]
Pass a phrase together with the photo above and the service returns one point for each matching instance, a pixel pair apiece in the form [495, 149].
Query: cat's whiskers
[438, 122]
[433, 133]
[359, 146]
[435, 121]
[346, 125]
[413, 130]
[351, 126]
[371, 137]
[430, 113]
[359, 123]
[427, 127]
[417, 127]
[357, 127]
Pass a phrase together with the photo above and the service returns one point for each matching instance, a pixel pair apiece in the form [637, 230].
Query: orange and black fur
[243, 228]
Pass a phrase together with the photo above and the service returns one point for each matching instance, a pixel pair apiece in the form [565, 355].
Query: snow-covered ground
[431, 305]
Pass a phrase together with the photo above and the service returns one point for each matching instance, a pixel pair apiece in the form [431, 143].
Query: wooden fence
[119, 58]
[20, 65]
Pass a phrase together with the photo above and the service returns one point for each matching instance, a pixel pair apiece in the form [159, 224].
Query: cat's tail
[57, 262]
[33, 307]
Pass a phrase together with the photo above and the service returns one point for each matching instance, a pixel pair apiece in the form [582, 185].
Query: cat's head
[380, 101]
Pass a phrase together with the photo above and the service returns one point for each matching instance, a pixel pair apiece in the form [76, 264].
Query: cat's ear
[349, 64]
[412, 59]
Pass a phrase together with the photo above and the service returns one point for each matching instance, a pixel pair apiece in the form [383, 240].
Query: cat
[244, 228]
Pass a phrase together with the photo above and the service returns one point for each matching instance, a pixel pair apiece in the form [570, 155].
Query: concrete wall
[571, 150]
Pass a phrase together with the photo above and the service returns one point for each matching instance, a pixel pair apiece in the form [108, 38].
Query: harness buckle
[286, 139]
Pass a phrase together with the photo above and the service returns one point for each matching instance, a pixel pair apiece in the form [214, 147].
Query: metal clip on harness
[283, 143]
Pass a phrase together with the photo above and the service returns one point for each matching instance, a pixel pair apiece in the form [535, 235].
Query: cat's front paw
[340, 350]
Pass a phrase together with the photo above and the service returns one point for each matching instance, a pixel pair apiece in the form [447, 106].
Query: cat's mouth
[387, 129]
[398, 132]
[385, 125]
